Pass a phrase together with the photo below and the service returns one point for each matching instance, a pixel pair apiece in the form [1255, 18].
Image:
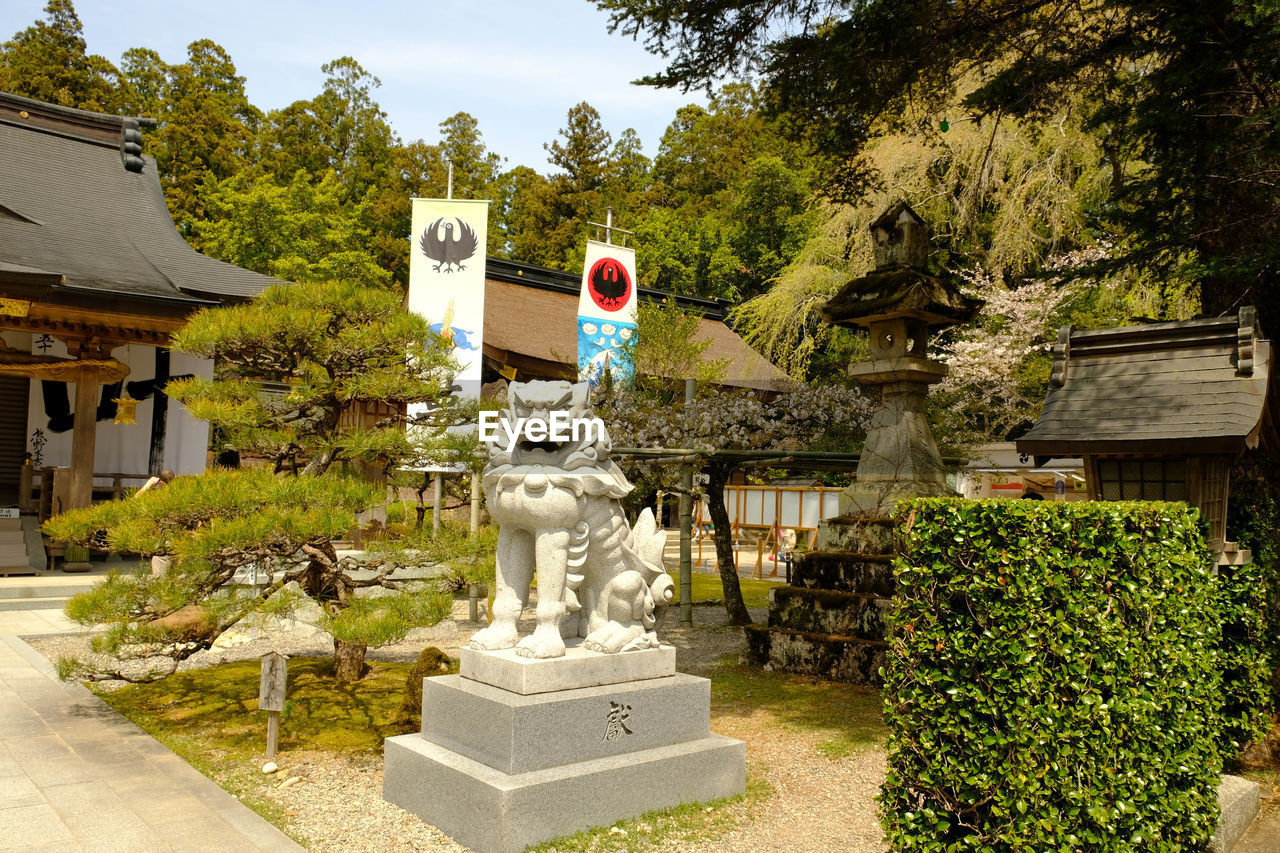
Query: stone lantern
[899, 304]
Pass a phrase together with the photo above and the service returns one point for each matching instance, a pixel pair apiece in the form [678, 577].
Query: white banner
[606, 312]
[446, 278]
[118, 448]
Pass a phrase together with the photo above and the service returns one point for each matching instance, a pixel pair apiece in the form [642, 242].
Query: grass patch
[216, 709]
[664, 829]
[210, 718]
[847, 716]
[1267, 779]
[707, 588]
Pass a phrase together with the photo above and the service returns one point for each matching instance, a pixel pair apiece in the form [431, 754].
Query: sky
[517, 66]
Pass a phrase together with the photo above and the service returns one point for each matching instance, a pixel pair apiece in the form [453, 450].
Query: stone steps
[823, 611]
[21, 546]
[832, 656]
[13, 548]
[42, 592]
[857, 535]
[830, 622]
[34, 603]
[845, 572]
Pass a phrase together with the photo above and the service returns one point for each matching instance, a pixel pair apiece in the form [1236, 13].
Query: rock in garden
[300, 623]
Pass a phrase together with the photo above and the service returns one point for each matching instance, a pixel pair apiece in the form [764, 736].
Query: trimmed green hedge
[1053, 678]
[1247, 656]
[1250, 623]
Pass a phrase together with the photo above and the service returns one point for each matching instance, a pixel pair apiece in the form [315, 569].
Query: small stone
[270, 767]
[617, 830]
[1256, 755]
[290, 782]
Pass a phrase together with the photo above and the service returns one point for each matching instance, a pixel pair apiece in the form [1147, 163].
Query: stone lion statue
[556, 501]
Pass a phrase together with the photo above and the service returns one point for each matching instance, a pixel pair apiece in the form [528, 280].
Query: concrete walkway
[76, 776]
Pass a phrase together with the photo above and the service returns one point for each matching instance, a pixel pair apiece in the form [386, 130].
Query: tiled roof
[72, 206]
[1196, 387]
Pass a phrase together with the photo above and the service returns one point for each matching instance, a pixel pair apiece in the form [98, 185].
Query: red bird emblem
[449, 251]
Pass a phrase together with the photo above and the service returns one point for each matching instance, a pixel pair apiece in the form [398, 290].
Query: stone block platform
[830, 621]
[498, 769]
[578, 668]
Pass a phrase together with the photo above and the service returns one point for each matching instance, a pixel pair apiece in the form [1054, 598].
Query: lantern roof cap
[899, 292]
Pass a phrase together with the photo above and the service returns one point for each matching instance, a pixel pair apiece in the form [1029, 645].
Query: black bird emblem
[449, 252]
[609, 284]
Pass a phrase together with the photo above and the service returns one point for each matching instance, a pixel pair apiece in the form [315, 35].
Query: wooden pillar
[83, 436]
[437, 503]
[686, 526]
[475, 504]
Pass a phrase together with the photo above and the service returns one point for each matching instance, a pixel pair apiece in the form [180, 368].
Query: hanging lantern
[126, 410]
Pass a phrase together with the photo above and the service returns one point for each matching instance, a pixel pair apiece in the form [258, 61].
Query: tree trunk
[348, 660]
[733, 603]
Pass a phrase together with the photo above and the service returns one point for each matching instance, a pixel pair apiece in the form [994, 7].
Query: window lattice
[1143, 479]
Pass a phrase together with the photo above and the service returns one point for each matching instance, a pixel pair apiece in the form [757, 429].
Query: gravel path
[818, 805]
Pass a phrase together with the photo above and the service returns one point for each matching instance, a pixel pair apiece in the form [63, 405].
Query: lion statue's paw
[612, 637]
[542, 643]
[494, 638]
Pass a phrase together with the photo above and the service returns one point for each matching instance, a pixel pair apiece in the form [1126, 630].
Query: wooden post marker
[275, 669]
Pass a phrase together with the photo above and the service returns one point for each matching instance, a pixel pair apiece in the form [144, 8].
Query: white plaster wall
[126, 448]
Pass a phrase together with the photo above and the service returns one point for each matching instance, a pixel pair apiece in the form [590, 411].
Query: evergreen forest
[1084, 163]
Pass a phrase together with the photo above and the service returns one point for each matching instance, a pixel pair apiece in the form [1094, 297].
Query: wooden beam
[108, 327]
[63, 369]
[83, 436]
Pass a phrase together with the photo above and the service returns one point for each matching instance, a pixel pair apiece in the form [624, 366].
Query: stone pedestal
[899, 458]
[830, 622]
[554, 750]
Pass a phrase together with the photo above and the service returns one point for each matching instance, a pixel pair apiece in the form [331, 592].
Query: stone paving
[76, 776]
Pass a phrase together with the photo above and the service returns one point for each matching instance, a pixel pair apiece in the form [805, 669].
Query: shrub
[1250, 622]
[1247, 657]
[431, 661]
[1052, 682]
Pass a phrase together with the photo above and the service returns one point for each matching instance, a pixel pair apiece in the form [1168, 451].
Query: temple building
[94, 279]
[521, 298]
[1161, 411]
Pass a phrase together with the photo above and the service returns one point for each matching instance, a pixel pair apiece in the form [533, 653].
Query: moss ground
[707, 588]
[210, 718]
[216, 709]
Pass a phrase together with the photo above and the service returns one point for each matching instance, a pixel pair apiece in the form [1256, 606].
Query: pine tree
[206, 129]
[350, 358]
[48, 61]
